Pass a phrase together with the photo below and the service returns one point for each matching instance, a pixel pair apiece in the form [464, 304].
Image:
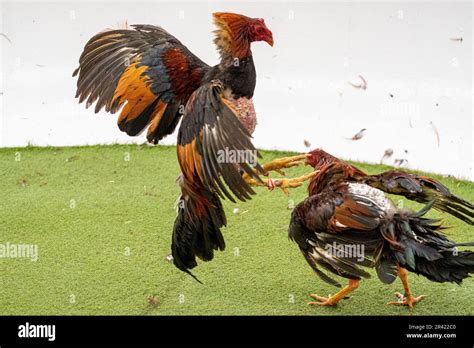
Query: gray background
[401, 48]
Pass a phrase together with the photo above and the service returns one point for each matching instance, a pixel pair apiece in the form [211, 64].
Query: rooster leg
[286, 162]
[334, 299]
[407, 299]
[278, 164]
[284, 184]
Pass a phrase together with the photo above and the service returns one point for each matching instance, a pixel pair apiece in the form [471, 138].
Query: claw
[285, 184]
[277, 165]
[333, 300]
[406, 300]
[270, 184]
[322, 301]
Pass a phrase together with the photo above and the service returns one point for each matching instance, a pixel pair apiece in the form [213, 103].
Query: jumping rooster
[347, 222]
[154, 79]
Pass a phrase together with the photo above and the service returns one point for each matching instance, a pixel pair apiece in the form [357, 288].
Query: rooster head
[319, 158]
[235, 32]
[259, 31]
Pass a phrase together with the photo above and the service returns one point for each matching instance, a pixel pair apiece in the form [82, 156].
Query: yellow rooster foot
[323, 301]
[333, 300]
[286, 162]
[406, 300]
[285, 184]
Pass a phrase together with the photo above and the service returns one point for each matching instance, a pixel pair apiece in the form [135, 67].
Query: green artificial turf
[103, 227]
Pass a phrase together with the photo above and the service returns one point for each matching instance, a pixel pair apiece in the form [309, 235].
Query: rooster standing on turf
[347, 210]
[154, 80]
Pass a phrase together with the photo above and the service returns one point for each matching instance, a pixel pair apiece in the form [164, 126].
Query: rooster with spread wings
[155, 81]
[347, 208]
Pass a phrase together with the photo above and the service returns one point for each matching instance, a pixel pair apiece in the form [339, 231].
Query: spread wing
[144, 71]
[214, 148]
[423, 189]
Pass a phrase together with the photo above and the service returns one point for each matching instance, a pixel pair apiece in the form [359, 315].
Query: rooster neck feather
[232, 35]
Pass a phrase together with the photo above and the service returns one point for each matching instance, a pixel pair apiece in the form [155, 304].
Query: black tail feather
[196, 231]
[424, 250]
[457, 210]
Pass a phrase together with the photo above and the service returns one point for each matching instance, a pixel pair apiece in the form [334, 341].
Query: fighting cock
[154, 79]
[348, 223]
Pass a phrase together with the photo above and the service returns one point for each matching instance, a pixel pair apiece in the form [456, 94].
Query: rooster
[155, 81]
[348, 222]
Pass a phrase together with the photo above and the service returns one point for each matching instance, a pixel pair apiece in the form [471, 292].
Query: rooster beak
[269, 39]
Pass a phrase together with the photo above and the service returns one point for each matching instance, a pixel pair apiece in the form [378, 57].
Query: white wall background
[401, 48]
